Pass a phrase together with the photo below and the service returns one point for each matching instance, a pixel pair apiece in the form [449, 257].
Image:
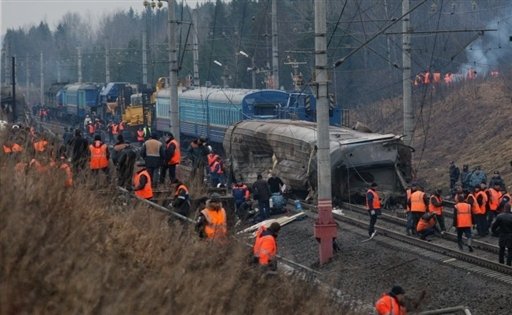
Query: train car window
[265, 109]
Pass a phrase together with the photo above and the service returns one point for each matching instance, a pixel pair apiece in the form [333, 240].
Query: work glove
[372, 212]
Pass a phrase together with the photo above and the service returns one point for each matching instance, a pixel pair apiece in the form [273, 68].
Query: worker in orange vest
[478, 201]
[140, 135]
[265, 246]
[40, 144]
[90, 129]
[435, 206]
[142, 181]
[493, 201]
[11, 148]
[408, 226]
[63, 166]
[392, 303]
[217, 172]
[99, 157]
[463, 222]
[374, 208]
[172, 157]
[427, 225]
[418, 203]
[212, 221]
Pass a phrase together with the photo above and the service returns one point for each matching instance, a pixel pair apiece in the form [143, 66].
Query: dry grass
[468, 124]
[66, 252]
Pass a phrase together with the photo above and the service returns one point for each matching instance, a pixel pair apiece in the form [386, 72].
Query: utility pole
[13, 79]
[79, 52]
[406, 75]
[388, 39]
[275, 50]
[174, 111]
[27, 78]
[195, 48]
[253, 73]
[41, 87]
[107, 63]
[6, 67]
[58, 72]
[325, 227]
[144, 60]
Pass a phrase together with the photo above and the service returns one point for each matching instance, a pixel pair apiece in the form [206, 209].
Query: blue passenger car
[80, 99]
[208, 112]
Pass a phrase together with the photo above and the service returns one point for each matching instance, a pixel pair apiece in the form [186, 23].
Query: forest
[447, 36]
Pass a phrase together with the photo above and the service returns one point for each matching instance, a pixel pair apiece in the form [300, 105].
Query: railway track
[437, 252]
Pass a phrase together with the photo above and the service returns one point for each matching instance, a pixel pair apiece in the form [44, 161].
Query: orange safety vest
[15, 148]
[437, 77]
[211, 158]
[418, 202]
[176, 158]
[121, 126]
[494, 200]
[115, 129]
[376, 199]
[98, 156]
[69, 175]
[265, 249]
[257, 240]
[463, 215]
[179, 188]
[427, 78]
[90, 129]
[424, 224]
[147, 191]
[387, 305]
[40, 146]
[213, 168]
[216, 223]
[140, 135]
[475, 207]
[434, 209]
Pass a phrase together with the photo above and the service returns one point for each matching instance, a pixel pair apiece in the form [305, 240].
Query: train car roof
[224, 95]
[306, 131]
[81, 86]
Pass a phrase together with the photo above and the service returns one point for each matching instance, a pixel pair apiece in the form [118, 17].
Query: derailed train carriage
[288, 148]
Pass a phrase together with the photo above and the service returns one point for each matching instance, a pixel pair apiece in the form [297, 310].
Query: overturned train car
[288, 148]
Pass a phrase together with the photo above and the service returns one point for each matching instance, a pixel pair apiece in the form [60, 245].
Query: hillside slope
[468, 123]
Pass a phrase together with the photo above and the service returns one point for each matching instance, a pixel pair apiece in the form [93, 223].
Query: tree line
[226, 28]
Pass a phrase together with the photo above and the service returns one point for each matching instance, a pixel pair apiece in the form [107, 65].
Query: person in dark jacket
[503, 227]
[454, 175]
[198, 153]
[496, 179]
[261, 193]
[153, 153]
[79, 152]
[125, 162]
[181, 202]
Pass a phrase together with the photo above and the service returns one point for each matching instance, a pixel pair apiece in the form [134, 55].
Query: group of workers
[483, 209]
[30, 151]
[435, 77]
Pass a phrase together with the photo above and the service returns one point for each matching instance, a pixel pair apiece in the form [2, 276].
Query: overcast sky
[20, 13]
